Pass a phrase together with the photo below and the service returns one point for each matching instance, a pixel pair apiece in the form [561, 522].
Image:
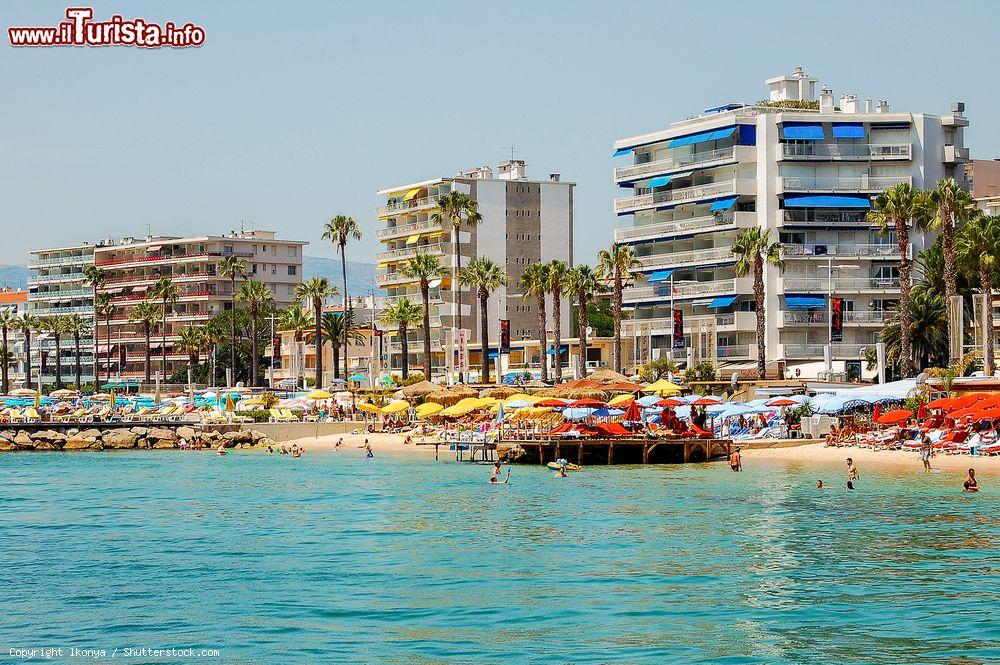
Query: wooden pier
[593, 451]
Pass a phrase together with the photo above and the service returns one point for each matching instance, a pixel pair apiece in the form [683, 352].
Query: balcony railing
[153, 258]
[856, 184]
[838, 351]
[410, 252]
[681, 290]
[56, 311]
[61, 260]
[697, 256]
[400, 207]
[846, 250]
[59, 295]
[675, 196]
[737, 352]
[822, 284]
[408, 229]
[389, 278]
[697, 159]
[684, 226]
[818, 317]
[823, 217]
[434, 298]
[50, 279]
[838, 151]
[142, 279]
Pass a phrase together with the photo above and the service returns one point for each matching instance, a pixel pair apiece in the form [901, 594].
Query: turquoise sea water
[337, 558]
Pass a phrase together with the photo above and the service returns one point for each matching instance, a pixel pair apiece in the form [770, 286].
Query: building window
[292, 252]
[292, 270]
[253, 269]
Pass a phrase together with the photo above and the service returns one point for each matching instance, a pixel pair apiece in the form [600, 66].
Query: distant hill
[360, 276]
[15, 277]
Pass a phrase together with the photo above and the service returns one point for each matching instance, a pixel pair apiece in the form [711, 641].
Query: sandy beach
[817, 453]
[379, 441]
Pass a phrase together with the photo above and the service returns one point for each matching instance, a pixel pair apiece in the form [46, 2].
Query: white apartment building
[133, 265]
[56, 287]
[524, 221]
[15, 302]
[803, 166]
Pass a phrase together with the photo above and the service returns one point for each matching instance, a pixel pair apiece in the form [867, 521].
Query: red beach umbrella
[940, 403]
[967, 400]
[706, 401]
[633, 412]
[878, 412]
[921, 411]
[670, 401]
[588, 404]
[893, 417]
[782, 401]
[552, 402]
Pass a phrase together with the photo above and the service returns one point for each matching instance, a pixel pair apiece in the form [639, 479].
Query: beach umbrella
[521, 397]
[23, 392]
[588, 404]
[966, 400]
[396, 407]
[357, 377]
[365, 407]
[230, 403]
[63, 393]
[648, 400]
[517, 403]
[782, 402]
[940, 403]
[877, 413]
[633, 413]
[319, 394]
[662, 388]
[707, 400]
[499, 418]
[670, 401]
[607, 413]
[921, 411]
[428, 409]
[622, 386]
[621, 400]
[553, 402]
[893, 417]
[577, 413]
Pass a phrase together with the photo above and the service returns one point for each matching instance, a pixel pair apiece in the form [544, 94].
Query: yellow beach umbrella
[320, 394]
[230, 403]
[428, 409]
[662, 388]
[396, 407]
[253, 401]
[112, 397]
[367, 408]
[621, 399]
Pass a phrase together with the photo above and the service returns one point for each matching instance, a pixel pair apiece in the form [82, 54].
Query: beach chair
[17, 416]
[135, 415]
[289, 416]
[31, 415]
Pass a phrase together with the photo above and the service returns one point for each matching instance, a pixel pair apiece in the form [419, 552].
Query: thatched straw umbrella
[449, 396]
[578, 393]
[607, 376]
[421, 389]
[500, 392]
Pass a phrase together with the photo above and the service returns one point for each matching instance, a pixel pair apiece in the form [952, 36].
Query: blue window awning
[803, 131]
[660, 276]
[562, 349]
[725, 107]
[701, 137]
[827, 201]
[723, 301]
[848, 130]
[622, 151]
[724, 204]
[659, 181]
[805, 302]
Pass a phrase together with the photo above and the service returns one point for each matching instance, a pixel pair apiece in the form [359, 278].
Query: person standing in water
[368, 449]
[971, 484]
[495, 479]
[852, 470]
[735, 461]
[926, 450]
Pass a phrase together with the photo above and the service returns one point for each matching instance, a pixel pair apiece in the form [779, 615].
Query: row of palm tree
[57, 326]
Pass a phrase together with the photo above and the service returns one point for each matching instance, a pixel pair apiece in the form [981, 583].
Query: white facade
[805, 174]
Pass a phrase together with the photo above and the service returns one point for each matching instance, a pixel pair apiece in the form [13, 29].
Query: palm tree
[615, 265]
[953, 206]
[145, 313]
[582, 283]
[425, 267]
[76, 325]
[8, 321]
[485, 277]
[336, 329]
[299, 321]
[558, 272]
[167, 293]
[977, 249]
[535, 282]
[55, 325]
[928, 331]
[194, 340]
[754, 248]
[896, 209]
[315, 291]
[234, 268]
[403, 314]
[97, 278]
[255, 294]
[340, 230]
[103, 306]
[29, 322]
[456, 209]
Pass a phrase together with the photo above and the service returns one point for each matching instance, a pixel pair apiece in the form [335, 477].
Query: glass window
[292, 270]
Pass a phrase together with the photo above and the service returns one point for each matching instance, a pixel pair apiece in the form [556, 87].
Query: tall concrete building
[524, 221]
[133, 265]
[15, 302]
[983, 176]
[803, 165]
[56, 287]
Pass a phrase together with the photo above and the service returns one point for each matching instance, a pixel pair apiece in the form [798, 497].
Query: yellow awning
[381, 266]
[411, 194]
[413, 240]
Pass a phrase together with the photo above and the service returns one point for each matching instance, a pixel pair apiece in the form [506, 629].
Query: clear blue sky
[295, 111]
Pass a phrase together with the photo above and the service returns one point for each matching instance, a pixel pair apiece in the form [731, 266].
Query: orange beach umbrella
[893, 417]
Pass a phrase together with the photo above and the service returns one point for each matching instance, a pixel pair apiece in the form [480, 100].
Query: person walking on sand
[926, 450]
[735, 461]
[852, 470]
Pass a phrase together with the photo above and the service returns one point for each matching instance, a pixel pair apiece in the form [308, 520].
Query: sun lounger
[31, 415]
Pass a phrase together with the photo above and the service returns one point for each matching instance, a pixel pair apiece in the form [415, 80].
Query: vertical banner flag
[678, 329]
[505, 336]
[837, 319]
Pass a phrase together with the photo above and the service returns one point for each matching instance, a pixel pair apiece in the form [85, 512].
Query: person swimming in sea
[495, 480]
[819, 485]
[222, 450]
[496, 468]
[849, 485]
[561, 473]
[971, 484]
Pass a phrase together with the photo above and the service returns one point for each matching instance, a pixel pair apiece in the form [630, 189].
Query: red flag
[878, 412]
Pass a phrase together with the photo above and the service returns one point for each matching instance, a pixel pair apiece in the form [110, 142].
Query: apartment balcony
[792, 318]
[55, 279]
[857, 251]
[156, 259]
[410, 252]
[406, 207]
[661, 293]
[184, 297]
[630, 204]
[840, 284]
[61, 295]
[139, 280]
[736, 352]
[818, 151]
[83, 310]
[698, 160]
[822, 218]
[393, 232]
[393, 279]
[733, 321]
[724, 322]
[82, 260]
[855, 184]
[434, 298]
[840, 351]
[414, 346]
[955, 154]
[691, 258]
[685, 227]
